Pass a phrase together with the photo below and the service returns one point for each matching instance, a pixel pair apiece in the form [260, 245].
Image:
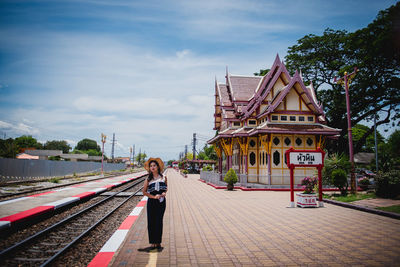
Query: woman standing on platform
[155, 188]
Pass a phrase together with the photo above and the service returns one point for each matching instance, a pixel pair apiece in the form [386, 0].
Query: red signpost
[305, 158]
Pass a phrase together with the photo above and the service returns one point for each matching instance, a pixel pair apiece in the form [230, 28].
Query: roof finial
[277, 59]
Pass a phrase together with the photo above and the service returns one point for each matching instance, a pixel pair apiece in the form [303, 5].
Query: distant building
[364, 158]
[44, 154]
[258, 118]
[26, 156]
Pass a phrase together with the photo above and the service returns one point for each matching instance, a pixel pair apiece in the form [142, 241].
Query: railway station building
[258, 118]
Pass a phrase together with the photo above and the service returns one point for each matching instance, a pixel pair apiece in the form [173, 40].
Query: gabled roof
[243, 87]
[224, 95]
[307, 96]
[243, 95]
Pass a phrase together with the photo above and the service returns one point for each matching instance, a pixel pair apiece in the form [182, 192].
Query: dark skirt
[155, 215]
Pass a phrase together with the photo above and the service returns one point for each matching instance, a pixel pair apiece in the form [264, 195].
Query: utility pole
[345, 81]
[112, 148]
[140, 155]
[194, 146]
[130, 154]
[133, 156]
[103, 140]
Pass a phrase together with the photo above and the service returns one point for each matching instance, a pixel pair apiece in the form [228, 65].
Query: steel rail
[54, 257]
[6, 251]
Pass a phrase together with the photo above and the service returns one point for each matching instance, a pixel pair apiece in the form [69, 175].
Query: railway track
[44, 247]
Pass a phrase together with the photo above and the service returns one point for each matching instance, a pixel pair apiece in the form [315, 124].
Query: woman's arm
[145, 186]
[166, 183]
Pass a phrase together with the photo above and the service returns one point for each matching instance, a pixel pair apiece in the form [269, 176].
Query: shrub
[334, 162]
[388, 184]
[55, 180]
[231, 177]
[185, 171]
[207, 168]
[308, 184]
[363, 181]
[339, 179]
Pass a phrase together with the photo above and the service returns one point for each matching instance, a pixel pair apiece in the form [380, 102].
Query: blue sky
[143, 70]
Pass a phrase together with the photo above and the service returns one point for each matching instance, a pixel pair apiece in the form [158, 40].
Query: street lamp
[103, 140]
[346, 80]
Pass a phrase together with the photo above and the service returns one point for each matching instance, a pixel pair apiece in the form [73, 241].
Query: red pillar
[292, 187]
[269, 168]
[321, 204]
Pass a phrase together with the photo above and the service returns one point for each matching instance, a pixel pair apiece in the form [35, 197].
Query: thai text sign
[305, 158]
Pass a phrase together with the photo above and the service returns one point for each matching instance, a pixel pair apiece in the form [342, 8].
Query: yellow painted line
[152, 259]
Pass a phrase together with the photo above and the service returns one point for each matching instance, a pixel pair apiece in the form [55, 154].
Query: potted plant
[307, 199]
[363, 183]
[185, 173]
[230, 178]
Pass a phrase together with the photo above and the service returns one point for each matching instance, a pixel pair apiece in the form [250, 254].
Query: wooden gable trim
[296, 79]
[278, 68]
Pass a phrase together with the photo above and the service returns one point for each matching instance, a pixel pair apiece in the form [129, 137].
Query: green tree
[141, 158]
[93, 152]
[189, 155]
[8, 148]
[208, 153]
[57, 145]
[262, 72]
[389, 153]
[27, 141]
[376, 54]
[86, 144]
[358, 132]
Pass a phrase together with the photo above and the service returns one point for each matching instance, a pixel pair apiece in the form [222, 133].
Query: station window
[287, 141]
[236, 123]
[310, 118]
[298, 141]
[283, 118]
[301, 118]
[292, 118]
[309, 141]
[252, 158]
[277, 158]
[276, 141]
[252, 143]
[252, 122]
[274, 117]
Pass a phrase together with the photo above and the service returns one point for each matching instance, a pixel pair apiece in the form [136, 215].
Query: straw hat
[159, 161]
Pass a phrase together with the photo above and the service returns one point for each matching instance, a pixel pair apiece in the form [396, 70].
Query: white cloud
[18, 128]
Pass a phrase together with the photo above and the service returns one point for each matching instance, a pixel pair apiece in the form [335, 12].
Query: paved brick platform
[204, 226]
[23, 209]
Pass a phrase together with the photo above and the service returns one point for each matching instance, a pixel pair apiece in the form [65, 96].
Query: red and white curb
[107, 252]
[8, 221]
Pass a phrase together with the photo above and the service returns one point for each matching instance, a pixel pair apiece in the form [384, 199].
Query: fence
[253, 180]
[15, 169]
